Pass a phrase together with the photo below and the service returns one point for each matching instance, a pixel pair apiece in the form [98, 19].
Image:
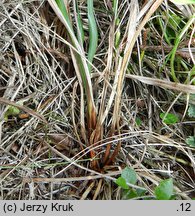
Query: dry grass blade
[23, 108]
[81, 178]
[88, 190]
[129, 46]
[12, 170]
[163, 83]
[152, 9]
[98, 189]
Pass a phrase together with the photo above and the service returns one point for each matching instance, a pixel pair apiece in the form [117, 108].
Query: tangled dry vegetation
[51, 145]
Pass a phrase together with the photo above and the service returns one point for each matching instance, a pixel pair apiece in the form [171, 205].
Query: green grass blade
[115, 7]
[64, 11]
[174, 50]
[80, 31]
[93, 33]
[81, 66]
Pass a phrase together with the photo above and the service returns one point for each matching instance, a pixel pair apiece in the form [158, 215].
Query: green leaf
[173, 197]
[192, 97]
[141, 192]
[122, 183]
[80, 30]
[117, 39]
[164, 190]
[64, 11]
[93, 32]
[191, 110]
[12, 111]
[129, 194]
[191, 141]
[138, 121]
[129, 175]
[183, 1]
[169, 118]
[118, 34]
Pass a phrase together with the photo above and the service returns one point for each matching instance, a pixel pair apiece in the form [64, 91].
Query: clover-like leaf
[164, 190]
[129, 175]
[191, 141]
[191, 110]
[169, 118]
[122, 183]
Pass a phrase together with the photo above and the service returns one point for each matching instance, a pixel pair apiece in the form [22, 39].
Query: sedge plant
[116, 63]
